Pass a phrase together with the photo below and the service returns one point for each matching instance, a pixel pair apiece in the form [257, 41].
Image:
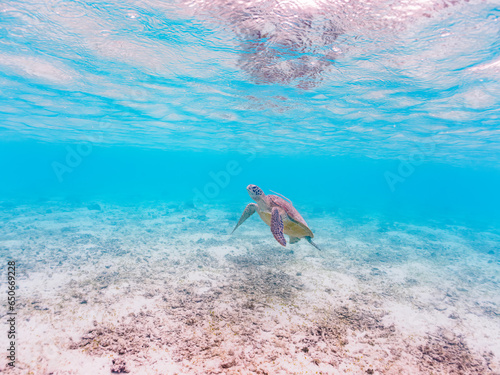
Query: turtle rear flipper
[294, 239]
[249, 211]
[277, 226]
[312, 243]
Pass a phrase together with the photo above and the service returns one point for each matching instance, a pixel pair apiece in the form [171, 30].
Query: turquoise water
[373, 118]
[359, 186]
[167, 95]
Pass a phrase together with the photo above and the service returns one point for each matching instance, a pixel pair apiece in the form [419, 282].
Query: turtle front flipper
[277, 226]
[249, 211]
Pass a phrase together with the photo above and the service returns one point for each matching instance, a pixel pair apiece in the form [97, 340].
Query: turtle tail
[312, 243]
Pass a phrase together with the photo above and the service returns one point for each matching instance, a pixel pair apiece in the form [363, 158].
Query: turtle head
[255, 192]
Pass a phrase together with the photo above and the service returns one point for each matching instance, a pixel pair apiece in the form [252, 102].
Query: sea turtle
[279, 214]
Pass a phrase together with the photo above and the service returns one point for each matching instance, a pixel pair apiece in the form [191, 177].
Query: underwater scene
[250, 187]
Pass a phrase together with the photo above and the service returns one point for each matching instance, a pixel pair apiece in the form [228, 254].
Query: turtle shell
[292, 213]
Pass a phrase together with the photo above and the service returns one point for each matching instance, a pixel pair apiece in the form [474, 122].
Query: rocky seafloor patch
[165, 290]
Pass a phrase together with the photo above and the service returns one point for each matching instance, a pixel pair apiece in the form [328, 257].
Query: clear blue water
[358, 111]
[157, 96]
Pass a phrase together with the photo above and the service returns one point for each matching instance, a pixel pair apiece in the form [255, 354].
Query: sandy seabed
[165, 290]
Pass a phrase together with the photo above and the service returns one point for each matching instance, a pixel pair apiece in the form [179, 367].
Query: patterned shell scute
[288, 207]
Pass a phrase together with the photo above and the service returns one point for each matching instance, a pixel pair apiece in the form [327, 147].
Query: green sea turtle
[279, 214]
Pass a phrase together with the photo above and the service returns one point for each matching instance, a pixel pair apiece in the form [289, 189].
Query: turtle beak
[250, 191]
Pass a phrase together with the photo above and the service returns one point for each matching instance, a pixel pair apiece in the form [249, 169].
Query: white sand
[166, 290]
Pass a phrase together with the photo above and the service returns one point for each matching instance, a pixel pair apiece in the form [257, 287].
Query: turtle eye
[257, 191]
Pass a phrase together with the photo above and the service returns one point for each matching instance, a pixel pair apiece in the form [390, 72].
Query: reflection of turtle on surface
[279, 214]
